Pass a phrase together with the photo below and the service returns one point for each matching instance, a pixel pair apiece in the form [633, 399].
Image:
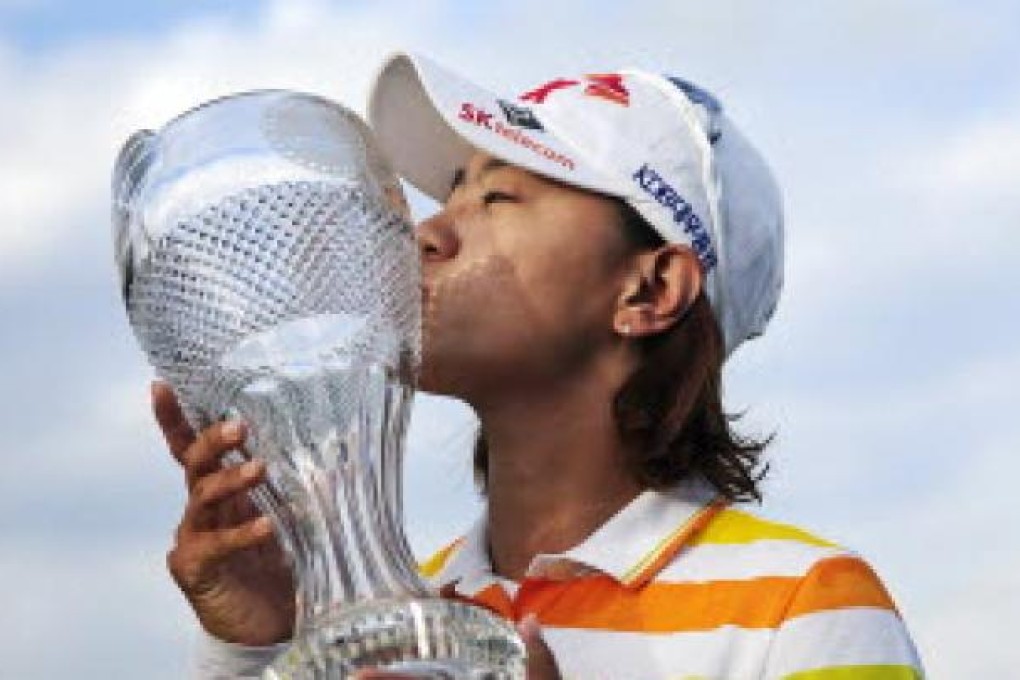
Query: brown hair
[671, 410]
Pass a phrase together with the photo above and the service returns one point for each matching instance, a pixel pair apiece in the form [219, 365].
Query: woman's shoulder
[801, 570]
[738, 525]
[741, 545]
[830, 611]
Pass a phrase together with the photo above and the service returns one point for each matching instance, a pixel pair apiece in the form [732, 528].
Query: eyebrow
[460, 174]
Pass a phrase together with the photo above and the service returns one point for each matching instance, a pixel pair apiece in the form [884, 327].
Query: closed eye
[491, 197]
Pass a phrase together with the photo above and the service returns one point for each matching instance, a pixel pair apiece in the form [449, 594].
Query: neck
[556, 472]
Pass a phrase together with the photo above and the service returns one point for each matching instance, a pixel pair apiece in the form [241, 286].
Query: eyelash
[496, 196]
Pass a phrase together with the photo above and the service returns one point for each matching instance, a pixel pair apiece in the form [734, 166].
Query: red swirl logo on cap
[608, 86]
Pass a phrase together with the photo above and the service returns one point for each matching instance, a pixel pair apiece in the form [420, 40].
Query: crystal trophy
[269, 271]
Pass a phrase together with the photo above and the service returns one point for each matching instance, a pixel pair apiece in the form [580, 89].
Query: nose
[437, 238]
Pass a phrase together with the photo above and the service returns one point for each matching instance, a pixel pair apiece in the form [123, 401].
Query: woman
[604, 243]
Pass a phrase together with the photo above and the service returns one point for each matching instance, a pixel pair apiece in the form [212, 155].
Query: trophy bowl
[269, 271]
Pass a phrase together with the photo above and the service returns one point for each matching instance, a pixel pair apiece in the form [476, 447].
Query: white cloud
[966, 187]
[881, 232]
[74, 108]
[111, 611]
[980, 161]
[957, 634]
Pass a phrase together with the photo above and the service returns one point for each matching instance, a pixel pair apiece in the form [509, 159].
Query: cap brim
[429, 121]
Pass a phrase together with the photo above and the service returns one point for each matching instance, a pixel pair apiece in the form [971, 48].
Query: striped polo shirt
[681, 585]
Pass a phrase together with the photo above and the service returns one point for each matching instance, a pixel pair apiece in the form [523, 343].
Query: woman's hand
[225, 558]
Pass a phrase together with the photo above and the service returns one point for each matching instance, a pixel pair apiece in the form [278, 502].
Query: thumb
[541, 663]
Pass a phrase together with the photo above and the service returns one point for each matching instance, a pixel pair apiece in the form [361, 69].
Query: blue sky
[889, 373]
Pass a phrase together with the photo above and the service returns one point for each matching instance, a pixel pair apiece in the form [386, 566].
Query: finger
[212, 489]
[203, 456]
[541, 662]
[195, 556]
[176, 431]
[224, 542]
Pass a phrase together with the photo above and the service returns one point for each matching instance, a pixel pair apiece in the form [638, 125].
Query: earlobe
[633, 305]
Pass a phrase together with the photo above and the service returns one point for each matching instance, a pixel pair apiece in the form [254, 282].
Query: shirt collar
[631, 547]
[469, 567]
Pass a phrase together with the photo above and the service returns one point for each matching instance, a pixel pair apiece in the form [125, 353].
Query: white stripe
[728, 652]
[840, 637]
[741, 561]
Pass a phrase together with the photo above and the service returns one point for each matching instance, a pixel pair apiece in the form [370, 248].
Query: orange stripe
[840, 582]
[492, 597]
[663, 553]
[599, 602]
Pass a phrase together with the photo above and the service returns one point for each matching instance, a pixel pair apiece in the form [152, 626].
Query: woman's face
[521, 277]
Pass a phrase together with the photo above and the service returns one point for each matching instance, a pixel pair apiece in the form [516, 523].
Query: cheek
[468, 305]
[493, 309]
[473, 323]
[483, 332]
[459, 293]
[570, 283]
[576, 247]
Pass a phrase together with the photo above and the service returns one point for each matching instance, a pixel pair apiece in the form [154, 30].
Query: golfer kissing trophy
[269, 271]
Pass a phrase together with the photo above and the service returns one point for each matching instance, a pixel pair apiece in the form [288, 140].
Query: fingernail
[233, 429]
[251, 469]
[263, 523]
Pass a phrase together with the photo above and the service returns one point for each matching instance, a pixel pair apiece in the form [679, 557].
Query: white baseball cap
[660, 143]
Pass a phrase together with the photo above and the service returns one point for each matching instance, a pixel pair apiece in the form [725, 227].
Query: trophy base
[424, 638]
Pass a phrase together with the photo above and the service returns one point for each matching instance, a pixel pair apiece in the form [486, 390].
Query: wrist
[217, 658]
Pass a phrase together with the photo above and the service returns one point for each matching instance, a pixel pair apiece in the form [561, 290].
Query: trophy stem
[332, 439]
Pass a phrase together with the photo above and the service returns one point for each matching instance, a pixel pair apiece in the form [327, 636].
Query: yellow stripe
[859, 673]
[736, 526]
[433, 565]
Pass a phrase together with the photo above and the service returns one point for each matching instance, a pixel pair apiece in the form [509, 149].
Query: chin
[442, 377]
[430, 372]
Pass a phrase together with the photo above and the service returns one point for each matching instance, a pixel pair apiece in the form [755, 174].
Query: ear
[660, 287]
